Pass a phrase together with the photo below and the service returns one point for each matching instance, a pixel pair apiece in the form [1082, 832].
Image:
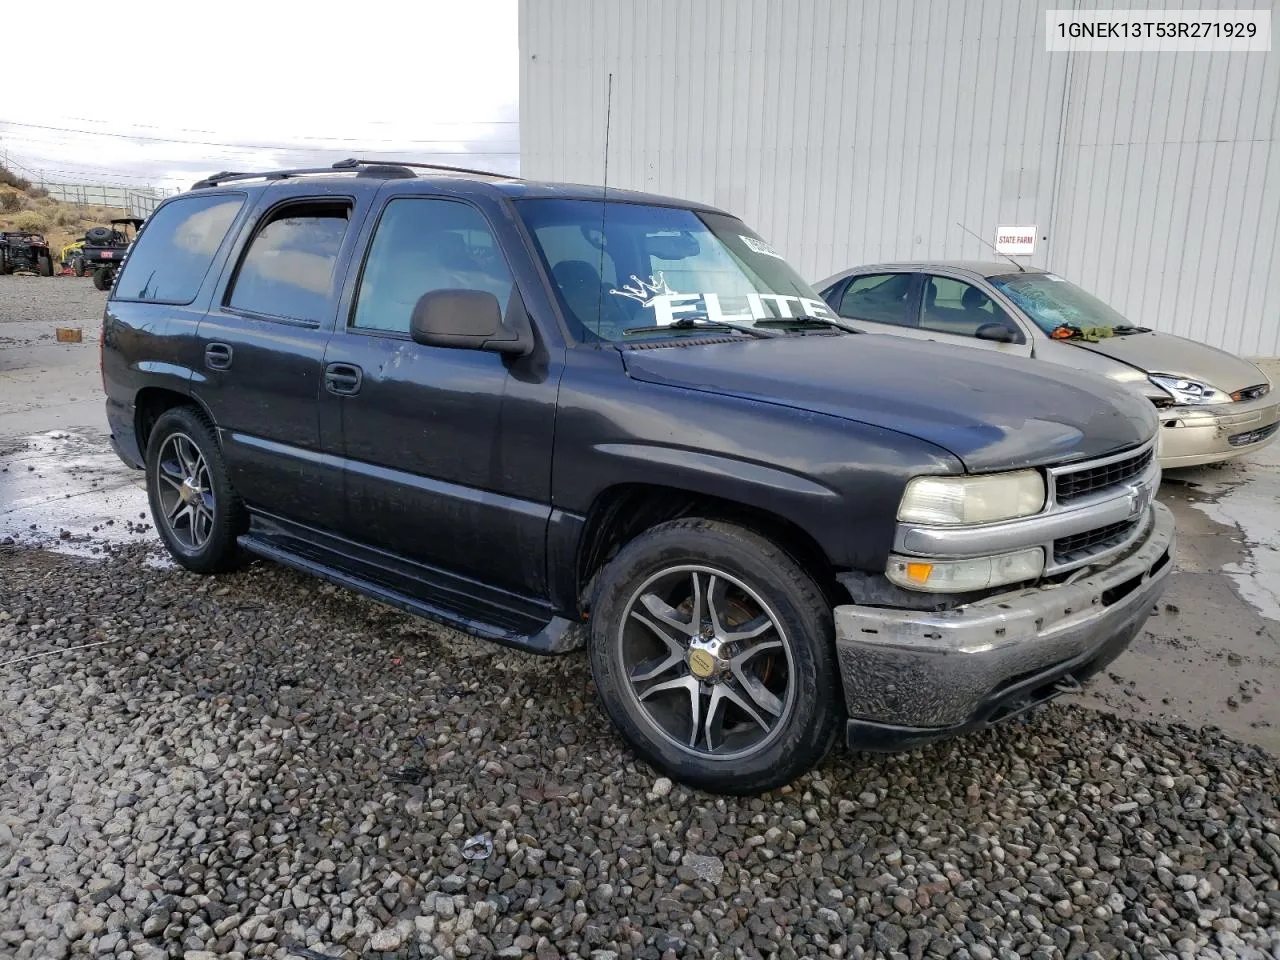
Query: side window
[168, 261]
[879, 298]
[289, 266]
[422, 245]
[959, 308]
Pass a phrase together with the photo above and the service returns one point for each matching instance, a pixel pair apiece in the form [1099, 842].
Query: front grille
[1253, 436]
[1087, 480]
[1080, 546]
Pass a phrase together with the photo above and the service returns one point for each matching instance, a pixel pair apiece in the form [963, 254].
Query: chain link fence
[137, 202]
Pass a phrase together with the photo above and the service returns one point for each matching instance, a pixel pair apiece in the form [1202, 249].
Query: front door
[447, 451]
[963, 313]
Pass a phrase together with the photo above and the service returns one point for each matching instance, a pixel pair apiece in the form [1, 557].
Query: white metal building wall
[855, 132]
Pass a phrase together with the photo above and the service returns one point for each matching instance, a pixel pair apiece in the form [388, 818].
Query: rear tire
[77, 266]
[698, 625]
[102, 278]
[193, 505]
[45, 268]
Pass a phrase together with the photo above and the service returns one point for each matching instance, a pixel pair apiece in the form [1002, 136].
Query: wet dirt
[44, 384]
[1210, 654]
[66, 490]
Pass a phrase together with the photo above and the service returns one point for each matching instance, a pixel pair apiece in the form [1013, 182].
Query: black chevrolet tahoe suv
[516, 407]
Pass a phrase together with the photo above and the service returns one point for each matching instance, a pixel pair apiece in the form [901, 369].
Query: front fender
[838, 480]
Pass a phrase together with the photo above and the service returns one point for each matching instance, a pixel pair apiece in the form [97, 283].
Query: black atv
[104, 250]
[24, 252]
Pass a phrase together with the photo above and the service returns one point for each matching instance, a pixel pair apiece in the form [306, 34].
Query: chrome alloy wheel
[186, 491]
[706, 661]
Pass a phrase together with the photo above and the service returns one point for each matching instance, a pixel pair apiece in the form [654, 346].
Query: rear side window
[171, 257]
[879, 298]
[288, 270]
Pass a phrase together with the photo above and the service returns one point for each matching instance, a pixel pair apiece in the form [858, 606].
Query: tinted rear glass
[288, 270]
[170, 258]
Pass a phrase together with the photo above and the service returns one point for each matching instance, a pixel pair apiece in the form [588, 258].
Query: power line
[380, 123]
[249, 146]
[61, 151]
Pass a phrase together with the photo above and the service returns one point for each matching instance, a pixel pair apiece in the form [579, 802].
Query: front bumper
[1194, 435]
[911, 676]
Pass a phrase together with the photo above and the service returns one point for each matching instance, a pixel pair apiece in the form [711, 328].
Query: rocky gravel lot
[262, 765]
[46, 300]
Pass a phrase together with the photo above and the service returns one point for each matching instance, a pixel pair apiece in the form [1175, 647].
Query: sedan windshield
[1059, 307]
[622, 270]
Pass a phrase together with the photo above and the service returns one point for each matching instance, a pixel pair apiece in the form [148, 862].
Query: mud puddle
[66, 490]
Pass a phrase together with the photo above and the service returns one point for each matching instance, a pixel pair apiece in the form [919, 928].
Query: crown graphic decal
[645, 292]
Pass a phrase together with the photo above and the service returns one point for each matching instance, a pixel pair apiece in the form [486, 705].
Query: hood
[992, 413]
[1164, 353]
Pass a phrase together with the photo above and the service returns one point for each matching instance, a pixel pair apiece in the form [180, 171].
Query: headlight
[980, 499]
[960, 576]
[1190, 392]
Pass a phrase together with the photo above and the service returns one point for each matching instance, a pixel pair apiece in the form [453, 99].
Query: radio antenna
[604, 200]
[1021, 268]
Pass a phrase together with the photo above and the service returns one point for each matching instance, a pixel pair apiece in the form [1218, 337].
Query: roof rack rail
[389, 169]
[228, 176]
[352, 163]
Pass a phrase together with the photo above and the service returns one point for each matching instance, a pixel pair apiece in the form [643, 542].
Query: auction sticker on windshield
[756, 245]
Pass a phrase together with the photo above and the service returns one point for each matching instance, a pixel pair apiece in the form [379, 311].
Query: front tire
[714, 655]
[193, 505]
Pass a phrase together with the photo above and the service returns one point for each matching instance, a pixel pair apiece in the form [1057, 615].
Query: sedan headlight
[1189, 392]
[979, 499]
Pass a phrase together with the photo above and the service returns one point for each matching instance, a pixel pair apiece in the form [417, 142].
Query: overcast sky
[170, 92]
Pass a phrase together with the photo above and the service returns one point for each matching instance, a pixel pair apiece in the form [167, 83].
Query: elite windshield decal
[668, 305]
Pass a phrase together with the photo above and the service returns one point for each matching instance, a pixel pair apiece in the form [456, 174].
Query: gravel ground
[263, 765]
[26, 302]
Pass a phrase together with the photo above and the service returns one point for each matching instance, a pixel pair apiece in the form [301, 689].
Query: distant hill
[24, 206]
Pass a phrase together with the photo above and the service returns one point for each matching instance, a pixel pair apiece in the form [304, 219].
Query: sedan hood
[1000, 413]
[1164, 353]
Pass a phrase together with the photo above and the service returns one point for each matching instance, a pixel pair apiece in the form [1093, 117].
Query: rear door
[885, 302]
[263, 342]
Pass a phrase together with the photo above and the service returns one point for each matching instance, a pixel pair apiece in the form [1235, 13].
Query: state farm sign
[1016, 241]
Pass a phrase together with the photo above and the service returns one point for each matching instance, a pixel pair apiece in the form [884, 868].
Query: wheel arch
[623, 511]
[151, 402]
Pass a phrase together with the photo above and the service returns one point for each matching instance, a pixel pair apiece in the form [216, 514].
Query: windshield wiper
[702, 323]
[815, 321]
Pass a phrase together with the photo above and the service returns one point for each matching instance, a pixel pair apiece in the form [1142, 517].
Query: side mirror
[997, 332]
[468, 319]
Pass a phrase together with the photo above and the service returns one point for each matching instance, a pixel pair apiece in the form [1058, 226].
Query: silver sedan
[1212, 405]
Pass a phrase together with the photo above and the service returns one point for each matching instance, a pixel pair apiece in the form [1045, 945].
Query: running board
[555, 636]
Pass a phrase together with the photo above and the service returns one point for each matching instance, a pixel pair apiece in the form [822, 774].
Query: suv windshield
[625, 269]
[1059, 307]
